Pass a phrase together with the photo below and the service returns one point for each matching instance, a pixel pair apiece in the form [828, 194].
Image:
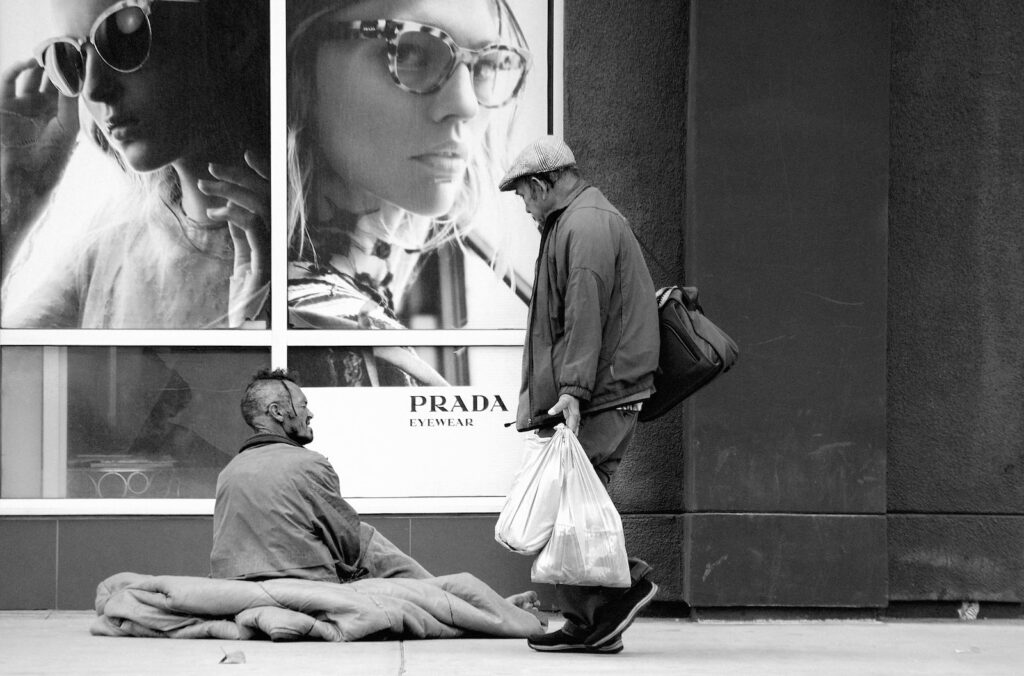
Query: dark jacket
[593, 327]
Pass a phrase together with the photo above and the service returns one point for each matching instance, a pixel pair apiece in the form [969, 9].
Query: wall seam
[764, 513]
[56, 567]
[978, 514]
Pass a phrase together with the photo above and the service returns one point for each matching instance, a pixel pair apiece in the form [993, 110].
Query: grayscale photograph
[487, 337]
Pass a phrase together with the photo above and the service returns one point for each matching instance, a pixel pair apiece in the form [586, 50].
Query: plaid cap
[545, 154]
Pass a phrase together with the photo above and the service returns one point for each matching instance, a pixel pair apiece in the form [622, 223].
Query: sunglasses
[423, 58]
[121, 36]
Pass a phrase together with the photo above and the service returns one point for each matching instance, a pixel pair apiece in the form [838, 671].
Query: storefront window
[120, 422]
[133, 313]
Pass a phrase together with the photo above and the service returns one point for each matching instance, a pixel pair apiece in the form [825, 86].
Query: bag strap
[663, 294]
[688, 297]
[648, 251]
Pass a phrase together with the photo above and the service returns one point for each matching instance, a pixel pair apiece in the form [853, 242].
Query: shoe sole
[628, 620]
[613, 647]
[559, 647]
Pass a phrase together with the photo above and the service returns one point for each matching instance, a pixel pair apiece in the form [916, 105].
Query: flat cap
[544, 154]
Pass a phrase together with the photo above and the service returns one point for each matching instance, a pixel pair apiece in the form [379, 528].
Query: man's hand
[568, 406]
[247, 191]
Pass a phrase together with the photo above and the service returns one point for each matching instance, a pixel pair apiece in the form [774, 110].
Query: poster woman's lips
[446, 161]
[119, 127]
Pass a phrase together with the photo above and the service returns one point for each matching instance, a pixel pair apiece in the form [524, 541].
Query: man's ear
[275, 412]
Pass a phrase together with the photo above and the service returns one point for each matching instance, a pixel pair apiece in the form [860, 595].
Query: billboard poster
[135, 147]
[395, 219]
[396, 223]
[442, 441]
[141, 199]
[432, 442]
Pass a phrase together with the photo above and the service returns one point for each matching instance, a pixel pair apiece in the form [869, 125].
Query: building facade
[843, 181]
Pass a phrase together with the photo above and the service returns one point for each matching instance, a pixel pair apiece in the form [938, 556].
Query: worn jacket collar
[581, 185]
[265, 439]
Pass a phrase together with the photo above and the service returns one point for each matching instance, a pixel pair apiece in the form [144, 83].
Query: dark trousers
[604, 436]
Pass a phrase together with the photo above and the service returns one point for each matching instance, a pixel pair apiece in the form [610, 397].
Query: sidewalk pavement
[58, 642]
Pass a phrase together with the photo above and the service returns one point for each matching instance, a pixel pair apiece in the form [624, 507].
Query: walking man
[590, 355]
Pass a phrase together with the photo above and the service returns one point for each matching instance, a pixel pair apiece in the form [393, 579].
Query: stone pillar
[956, 368]
[786, 237]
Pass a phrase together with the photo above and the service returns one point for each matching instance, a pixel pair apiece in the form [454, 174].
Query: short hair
[262, 392]
[549, 178]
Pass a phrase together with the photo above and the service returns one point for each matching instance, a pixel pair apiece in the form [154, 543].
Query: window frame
[278, 338]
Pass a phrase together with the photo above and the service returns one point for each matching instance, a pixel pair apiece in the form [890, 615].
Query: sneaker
[563, 642]
[556, 641]
[616, 617]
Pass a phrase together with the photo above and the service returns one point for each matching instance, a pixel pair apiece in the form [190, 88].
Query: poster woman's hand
[247, 211]
[38, 127]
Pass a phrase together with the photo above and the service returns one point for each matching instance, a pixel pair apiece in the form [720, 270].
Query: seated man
[279, 510]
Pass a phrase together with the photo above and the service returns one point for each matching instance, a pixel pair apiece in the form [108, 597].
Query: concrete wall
[956, 301]
[854, 197]
[786, 234]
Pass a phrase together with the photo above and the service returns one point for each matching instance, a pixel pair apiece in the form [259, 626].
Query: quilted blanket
[129, 604]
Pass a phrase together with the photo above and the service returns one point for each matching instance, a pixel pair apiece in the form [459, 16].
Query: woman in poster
[176, 93]
[398, 116]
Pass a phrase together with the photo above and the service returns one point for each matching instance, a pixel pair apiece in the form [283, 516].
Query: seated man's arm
[333, 520]
[381, 558]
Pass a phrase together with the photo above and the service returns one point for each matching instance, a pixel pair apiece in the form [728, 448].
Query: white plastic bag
[526, 520]
[587, 547]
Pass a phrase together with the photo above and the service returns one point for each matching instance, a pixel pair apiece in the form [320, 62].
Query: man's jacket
[279, 513]
[593, 327]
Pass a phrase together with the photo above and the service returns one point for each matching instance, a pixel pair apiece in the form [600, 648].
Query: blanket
[129, 604]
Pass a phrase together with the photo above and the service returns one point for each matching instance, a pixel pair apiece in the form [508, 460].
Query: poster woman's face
[151, 115]
[410, 150]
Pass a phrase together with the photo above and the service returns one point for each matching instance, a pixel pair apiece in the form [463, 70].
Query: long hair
[247, 99]
[305, 159]
[94, 198]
